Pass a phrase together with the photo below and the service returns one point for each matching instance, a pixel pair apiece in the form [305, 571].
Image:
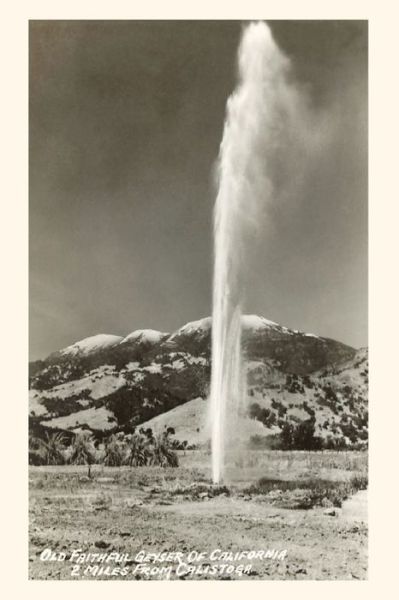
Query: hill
[109, 383]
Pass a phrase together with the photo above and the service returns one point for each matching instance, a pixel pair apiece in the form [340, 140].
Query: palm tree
[52, 448]
[115, 451]
[83, 451]
[162, 453]
[138, 451]
[35, 458]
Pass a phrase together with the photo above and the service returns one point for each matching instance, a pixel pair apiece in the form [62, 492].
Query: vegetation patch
[308, 493]
[135, 450]
[199, 490]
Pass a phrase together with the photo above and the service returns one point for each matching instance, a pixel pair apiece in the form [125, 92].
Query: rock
[105, 479]
[102, 544]
[203, 495]
[133, 503]
[275, 494]
[331, 512]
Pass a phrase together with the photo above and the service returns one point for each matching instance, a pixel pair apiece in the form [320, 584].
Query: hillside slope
[113, 383]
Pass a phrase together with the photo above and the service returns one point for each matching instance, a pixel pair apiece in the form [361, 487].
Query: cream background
[383, 295]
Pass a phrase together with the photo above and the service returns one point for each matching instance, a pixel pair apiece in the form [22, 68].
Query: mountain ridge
[249, 321]
[117, 383]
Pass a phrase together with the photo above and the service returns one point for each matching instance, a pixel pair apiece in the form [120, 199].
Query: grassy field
[287, 508]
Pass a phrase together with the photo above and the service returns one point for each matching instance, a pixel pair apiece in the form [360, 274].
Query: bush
[197, 490]
[264, 415]
[264, 442]
[300, 436]
[307, 493]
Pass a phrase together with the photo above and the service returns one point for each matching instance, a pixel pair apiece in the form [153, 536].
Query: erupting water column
[249, 113]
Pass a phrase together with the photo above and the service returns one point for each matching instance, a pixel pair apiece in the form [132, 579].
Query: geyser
[257, 111]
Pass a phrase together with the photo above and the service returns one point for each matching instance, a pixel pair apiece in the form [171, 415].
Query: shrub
[300, 436]
[265, 442]
[148, 433]
[196, 490]
[264, 415]
[179, 445]
[307, 493]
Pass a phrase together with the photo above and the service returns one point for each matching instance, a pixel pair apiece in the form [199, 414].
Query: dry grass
[153, 508]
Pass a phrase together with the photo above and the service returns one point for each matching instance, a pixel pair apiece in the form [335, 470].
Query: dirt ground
[145, 511]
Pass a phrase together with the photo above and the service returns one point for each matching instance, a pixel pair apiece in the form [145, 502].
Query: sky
[126, 119]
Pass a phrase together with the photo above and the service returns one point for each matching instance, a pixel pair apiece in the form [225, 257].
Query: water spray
[250, 136]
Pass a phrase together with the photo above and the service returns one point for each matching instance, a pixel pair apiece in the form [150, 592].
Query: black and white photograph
[198, 300]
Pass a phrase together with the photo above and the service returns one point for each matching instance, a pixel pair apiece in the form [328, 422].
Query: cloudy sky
[126, 119]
